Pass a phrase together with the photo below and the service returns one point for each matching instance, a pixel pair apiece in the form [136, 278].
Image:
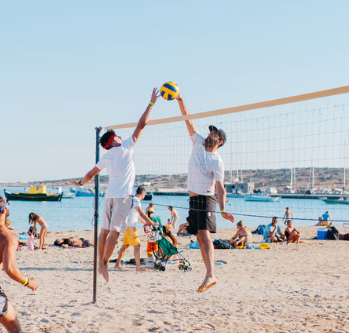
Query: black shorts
[3, 303]
[202, 214]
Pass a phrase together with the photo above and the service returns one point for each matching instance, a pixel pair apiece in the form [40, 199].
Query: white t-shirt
[204, 167]
[133, 217]
[121, 169]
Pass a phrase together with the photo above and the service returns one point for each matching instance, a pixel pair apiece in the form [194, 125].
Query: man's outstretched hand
[155, 95]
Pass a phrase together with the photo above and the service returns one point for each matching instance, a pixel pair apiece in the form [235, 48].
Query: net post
[98, 130]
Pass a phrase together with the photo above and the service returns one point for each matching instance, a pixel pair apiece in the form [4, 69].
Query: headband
[110, 140]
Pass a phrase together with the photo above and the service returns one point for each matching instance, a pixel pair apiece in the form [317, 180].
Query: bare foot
[140, 269]
[104, 272]
[208, 283]
[119, 267]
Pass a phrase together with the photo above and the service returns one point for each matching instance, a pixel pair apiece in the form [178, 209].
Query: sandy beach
[295, 288]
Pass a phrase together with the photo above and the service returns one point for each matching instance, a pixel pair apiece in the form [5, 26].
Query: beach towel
[259, 230]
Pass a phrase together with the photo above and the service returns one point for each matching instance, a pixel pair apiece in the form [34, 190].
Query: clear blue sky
[68, 66]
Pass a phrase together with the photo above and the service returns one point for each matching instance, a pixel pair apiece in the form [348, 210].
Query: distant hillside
[279, 178]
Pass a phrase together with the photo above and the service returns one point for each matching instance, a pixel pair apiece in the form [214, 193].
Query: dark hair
[140, 190]
[168, 233]
[170, 207]
[188, 219]
[33, 217]
[105, 137]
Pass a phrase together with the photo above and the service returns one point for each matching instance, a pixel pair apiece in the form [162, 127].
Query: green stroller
[164, 253]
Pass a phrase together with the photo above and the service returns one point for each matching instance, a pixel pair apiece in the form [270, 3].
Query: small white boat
[261, 197]
[235, 195]
[68, 195]
[340, 201]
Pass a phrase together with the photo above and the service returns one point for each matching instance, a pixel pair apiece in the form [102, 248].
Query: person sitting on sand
[34, 218]
[243, 236]
[291, 233]
[324, 219]
[272, 232]
[72, 241]
[131, 235]
[183, 228]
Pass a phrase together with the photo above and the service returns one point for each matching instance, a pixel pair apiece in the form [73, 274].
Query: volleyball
[169, 90]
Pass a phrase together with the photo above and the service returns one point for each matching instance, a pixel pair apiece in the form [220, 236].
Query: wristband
[222, 211]
[26, 282]
[80, 183]
[151, 103]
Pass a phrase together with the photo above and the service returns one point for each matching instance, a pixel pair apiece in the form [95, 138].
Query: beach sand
[295, 288]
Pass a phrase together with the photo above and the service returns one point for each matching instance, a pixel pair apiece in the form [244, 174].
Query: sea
[78, 213]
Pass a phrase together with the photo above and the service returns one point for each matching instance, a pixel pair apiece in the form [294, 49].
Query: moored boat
[261, 197]
[34, 194]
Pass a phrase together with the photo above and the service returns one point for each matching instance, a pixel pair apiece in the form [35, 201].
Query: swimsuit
[3, 303]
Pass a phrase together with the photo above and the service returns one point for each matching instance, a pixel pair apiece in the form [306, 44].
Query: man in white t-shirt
[205, 171]
[131, 235]
[121, 170]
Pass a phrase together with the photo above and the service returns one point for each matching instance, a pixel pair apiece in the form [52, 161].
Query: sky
[69, 66]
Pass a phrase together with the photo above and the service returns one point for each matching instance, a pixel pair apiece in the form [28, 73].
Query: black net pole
[95, 263]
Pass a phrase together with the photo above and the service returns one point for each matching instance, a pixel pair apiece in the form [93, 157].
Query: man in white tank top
[205, 171]
[118, 199]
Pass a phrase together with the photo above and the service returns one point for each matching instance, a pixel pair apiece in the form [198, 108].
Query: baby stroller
[164, 253]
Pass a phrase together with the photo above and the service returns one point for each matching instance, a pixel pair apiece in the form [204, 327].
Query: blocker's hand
[228, 216]
[155, 95]
[178, 97]
[74, 181]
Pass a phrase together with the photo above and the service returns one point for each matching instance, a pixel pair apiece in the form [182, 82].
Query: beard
[209, 142]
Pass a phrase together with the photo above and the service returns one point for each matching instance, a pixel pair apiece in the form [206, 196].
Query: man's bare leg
[101, 245]
[108, 251]
[120, 256]
[137, 252]
[10, 321]
[207, 252]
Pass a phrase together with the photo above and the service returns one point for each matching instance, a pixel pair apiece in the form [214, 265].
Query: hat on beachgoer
[220, 132]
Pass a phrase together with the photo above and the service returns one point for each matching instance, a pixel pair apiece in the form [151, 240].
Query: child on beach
[34, 218]
[131, 235]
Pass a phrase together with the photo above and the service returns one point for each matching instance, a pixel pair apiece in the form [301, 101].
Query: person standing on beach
[174, 216]
[131, 235]
[120, 166]
[205, 171]
[36, 219]
[288, 215]
[8, 247]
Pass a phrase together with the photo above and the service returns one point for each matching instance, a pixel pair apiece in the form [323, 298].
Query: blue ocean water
[77, 214]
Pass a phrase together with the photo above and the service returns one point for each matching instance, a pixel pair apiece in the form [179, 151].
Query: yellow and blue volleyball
[169, 90]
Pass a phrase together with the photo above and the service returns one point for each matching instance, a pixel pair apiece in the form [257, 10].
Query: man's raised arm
[190, 124]
[145, 116]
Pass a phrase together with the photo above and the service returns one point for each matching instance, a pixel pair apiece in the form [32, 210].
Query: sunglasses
[6, 204]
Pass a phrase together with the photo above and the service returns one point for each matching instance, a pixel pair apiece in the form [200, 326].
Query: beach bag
[221, 244]
[332, 234]
[259, 230]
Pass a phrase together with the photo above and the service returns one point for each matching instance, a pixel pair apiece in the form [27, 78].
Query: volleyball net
[294, 150]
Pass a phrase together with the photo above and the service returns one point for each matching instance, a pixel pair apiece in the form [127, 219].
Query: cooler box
[322, 233]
